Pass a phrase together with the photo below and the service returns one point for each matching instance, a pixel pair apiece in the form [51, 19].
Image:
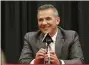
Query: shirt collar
[54, 37]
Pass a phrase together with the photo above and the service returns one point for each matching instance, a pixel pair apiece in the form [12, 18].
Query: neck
[52, 34]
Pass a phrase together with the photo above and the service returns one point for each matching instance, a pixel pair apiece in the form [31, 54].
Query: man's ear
[58, 20]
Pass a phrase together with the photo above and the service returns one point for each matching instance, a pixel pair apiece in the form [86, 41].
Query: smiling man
[48, 21]
[65, 48]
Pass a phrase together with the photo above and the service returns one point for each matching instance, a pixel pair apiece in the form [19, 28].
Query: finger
[55, 61]
[52, 52]
[42, 50]
[51, 55]
[40, 54]
[40, 57]
[52, 61]
[46, 58]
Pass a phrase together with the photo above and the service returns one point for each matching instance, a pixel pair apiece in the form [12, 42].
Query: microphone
[47, 39]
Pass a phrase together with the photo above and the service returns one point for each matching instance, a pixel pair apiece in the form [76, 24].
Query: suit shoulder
[31, 34]
[69, 33]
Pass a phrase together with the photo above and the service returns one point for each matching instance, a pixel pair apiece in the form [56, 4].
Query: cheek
[54, 23]
[39, 24]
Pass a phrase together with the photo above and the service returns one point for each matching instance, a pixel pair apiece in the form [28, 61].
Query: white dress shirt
[52, 45]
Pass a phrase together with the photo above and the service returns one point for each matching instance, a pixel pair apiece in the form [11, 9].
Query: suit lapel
[40, 44]
[59, 43]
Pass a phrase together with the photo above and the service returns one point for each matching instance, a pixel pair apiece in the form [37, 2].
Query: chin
[45, 32]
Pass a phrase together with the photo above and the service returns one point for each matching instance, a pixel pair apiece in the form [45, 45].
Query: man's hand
[40, 56]
[53, 58]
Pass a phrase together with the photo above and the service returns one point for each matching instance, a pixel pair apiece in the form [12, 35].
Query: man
[65, 48]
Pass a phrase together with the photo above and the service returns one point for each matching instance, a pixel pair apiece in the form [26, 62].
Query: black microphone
[47, 39]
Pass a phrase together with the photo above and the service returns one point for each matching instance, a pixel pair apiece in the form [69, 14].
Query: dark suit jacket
[67, 47]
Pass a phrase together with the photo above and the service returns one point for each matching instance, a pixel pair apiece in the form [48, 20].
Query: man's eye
[48, 18]
[40, 19]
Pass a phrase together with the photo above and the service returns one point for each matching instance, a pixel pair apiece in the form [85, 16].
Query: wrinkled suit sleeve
[76, 54]
[26, 54]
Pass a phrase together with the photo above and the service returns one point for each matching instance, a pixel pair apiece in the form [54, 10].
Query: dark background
[19, 17]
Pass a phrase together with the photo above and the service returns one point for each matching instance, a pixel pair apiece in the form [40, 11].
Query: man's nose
[44, 22]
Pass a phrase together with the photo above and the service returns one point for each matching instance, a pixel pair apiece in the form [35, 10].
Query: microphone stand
[48, 50]
[47, 39]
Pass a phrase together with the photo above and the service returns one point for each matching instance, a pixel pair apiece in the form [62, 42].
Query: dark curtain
[19, 17]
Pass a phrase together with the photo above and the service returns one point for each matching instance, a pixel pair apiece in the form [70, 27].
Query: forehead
[46, 13]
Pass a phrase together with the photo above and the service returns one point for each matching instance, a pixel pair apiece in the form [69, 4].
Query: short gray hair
[47, 6]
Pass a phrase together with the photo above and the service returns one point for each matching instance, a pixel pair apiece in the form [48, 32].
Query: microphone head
[47, 39]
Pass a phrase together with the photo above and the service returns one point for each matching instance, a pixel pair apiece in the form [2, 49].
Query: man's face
[47, 21]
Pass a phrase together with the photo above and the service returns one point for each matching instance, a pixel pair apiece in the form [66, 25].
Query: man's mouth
[46, 28]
